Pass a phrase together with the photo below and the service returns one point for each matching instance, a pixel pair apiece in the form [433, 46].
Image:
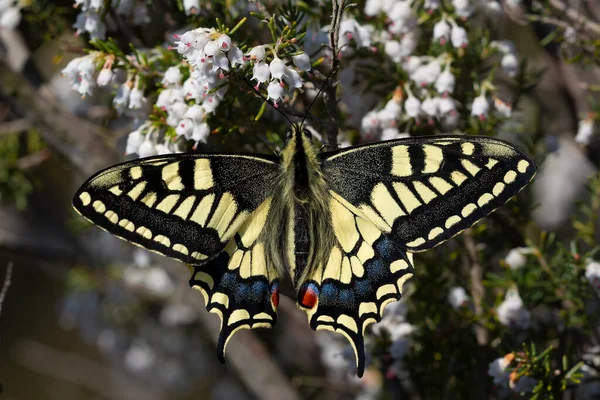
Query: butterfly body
[343, 225]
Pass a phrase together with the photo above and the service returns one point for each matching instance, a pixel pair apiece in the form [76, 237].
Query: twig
[16, 126]
[331, 83]
[477, 289]
[33, 159]
[576, 17]
[261, 9]
[7, 282]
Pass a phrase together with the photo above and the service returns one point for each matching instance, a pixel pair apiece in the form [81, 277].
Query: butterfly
[343, 224]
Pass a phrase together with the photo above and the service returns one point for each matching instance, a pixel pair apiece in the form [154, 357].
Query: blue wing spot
[259, 291]
[363, 288]
[346, 298]
[384, 247]
[376, 270]
[328, 294]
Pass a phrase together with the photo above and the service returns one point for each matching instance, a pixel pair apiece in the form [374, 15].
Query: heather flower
[512, 311]
[585, 131]
[517, 257]
[457, 297]
[441, 31]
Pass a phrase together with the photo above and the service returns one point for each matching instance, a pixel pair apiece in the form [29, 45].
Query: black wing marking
[424, 190]
[185, 206]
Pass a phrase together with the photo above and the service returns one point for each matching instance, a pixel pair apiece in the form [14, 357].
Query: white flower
[121, 100]
[390, 113]
[224, 42]
[134, 141]
[261, 72]
[403, 18]
[458, 36]
[352, 30]
[200, 133]
[392, 132]
[510, 64]
[445, 81]
[512, 311]
[137, 99]
[172, 76]
[432, 4]
[457, 297]
[592, 273]
[412, 106]
[430, 106]
[191, 7]
[524, 384]
[211, 48]
[570, 35]
[10, 18]
[585, 131]
[441, 31]
[480, 106]
[257, 53]
[410, 64]
[105, 77]
[235, 56]
[517, 257]
[497, 370]
[426, 74]
[274, 91]
[147, 148]
[277, 68]
[503, 108]
[463, 8]
[373, 7]
[446, 105]
[369, 123]
[141, 258]
[139, 356]
[177, 314]
[394, 50]
[302, 62]
[292, 78]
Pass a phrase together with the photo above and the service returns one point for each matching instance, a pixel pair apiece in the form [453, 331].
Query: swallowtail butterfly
[342, 224]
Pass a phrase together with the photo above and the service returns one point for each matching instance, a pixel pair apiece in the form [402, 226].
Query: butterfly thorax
[303, 235]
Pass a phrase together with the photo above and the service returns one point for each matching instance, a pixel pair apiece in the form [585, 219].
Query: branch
[79, 141]
[261, 9]
[331, 82]
[16, 126]
[7, 282]
[575, 17]
[477, 289]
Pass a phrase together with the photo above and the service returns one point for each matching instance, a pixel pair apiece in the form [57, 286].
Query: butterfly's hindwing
[185, 206]
[238, 285]
[424, 190]
[365, 271]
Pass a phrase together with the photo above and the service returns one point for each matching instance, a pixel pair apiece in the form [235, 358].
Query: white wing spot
[385, 203]
[135, 172]
[116, 190]
[451, 221]
[162, 240]
[181, 249]
[458, 177]
[415, 243]
[435, 232]
[144, 232]
[385, 290]
[468, 210]
[112, 216]
[85, 198]
[440, 184]
[498, 188]
[484, 199]
[99, 206]
[467, 148]
[426, 194]
[522, 166]
[491, 163]
[406, 196]
[137, 190]
[510, 177]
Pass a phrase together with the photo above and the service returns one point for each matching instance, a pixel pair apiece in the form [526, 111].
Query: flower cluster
[458, 298]
[432, 80]
[90, 19]
[517, 258]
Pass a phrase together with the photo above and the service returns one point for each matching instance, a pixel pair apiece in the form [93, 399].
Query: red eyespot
[309, 295]
[275, 295]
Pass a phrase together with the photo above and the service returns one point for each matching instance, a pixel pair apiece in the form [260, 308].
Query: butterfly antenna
[336, 64]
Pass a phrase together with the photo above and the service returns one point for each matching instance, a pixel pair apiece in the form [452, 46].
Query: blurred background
[87, 316]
